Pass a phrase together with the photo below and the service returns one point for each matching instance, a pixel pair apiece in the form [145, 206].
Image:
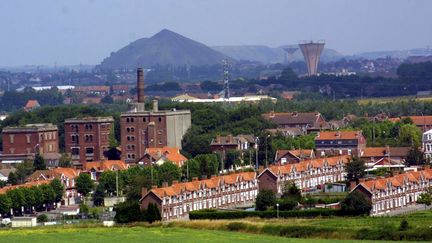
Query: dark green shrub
[236, 226]
[152, 214]
[42, 218]
[286, 204]
[264, 200]
[356, 203]
[127, 212]
[404, 225]
[263, 214]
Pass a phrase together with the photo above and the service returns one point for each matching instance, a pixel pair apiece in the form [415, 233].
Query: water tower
[289, 53]
[311, 53]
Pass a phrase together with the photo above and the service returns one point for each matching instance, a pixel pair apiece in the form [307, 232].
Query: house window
[75, 151]
[74, 128]
[75, 138]
[144, 119]
[88, 127]
[283, 160]
[89, 150]
[322, 153]
[160, 131]
[28, 138]
[349, 151]
[11, 138]
[160, 141]
[50, 147]
[160, 119]
[88, 138]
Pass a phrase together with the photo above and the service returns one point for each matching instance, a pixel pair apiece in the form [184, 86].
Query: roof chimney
[140, 85]
[143, 191]
[174, 182]
[194, 178]
[155, 106]
[164, 184]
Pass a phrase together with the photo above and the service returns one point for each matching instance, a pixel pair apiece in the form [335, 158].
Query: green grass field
[140, 234]
[333, 229]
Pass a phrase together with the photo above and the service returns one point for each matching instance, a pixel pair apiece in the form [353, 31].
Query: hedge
[206, 214]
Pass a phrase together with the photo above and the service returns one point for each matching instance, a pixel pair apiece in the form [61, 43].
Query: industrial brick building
[20, 143]
[141, 129]
[86, 139]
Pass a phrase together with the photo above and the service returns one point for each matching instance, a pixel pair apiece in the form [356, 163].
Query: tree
[39, 197]
[23, 170]
[58, 189]
[12, 179]
[5, 204]
[355, 169]
[425, 198]
[107, 180]
[232, 158]
[98, 195]
[264, 200]
[18, 199]
[29, 199]
[168, 172]
[415, 157]
[291, 191]
[356, 203]
[107, 100]
[65, 161]
[39, 162]
[152, 213]
[49, 195]
[84, 184]
[409, 135]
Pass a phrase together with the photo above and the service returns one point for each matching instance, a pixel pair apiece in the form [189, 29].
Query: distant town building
[251, 98]
[87, 138]
[31, 105]
[142, 129]
[99, 90]
[20, 143]
[309, 121]
[330, 143]
[230, 142]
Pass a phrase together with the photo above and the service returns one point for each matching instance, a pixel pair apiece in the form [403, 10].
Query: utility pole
[117, 185]
[256, 153]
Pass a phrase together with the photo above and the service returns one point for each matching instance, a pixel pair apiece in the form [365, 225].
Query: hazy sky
[86, 31]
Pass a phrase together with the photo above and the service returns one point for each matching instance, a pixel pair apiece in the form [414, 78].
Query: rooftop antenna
[226, 92]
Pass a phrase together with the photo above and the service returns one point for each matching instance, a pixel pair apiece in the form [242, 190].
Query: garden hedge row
[213, 214]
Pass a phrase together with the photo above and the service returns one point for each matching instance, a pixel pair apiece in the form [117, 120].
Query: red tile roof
[214, 182]
[27, 184]
[338, 135]
[172, 154]
[107, 165]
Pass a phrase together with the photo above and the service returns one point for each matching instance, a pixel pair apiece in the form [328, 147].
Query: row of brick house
[239, 189]
[394, 192]
[226, 191]
[307, 174]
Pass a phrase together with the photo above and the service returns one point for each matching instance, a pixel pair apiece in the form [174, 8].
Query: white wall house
[427, 144]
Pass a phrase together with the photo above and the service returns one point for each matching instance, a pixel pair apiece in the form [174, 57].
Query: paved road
[406, 210]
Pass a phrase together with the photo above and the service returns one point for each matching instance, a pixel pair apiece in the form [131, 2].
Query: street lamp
[256, 152]
[277, 210]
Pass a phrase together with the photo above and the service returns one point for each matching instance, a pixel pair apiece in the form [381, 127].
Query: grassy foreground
[140, 234]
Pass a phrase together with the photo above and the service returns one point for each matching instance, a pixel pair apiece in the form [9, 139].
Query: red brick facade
[30, 139]
[86, 139]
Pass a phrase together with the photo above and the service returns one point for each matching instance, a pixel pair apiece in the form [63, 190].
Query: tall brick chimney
[140, 85]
